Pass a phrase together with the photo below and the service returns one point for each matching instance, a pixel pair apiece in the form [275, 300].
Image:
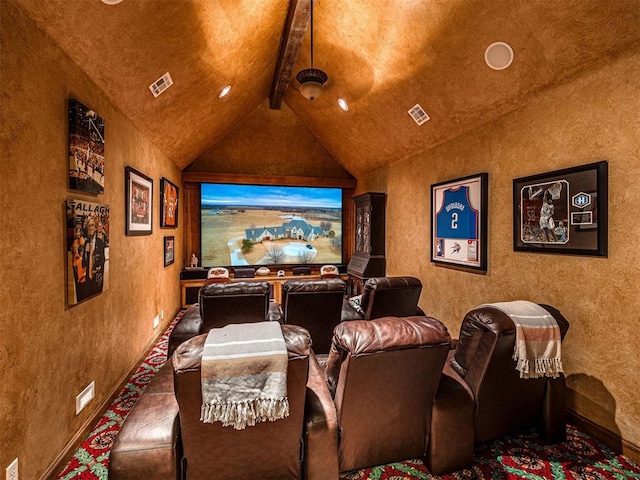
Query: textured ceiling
[383, 57]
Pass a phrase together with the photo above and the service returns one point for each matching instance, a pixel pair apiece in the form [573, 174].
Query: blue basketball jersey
[456, 218]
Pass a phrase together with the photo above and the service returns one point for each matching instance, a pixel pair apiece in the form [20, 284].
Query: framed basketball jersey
[459, 222]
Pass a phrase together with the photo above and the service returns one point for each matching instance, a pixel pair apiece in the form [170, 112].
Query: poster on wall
[86, 149]
[564, 211]
[138, 202]
[168, 203]
[169, 249]
[87, 250]
[459, 222]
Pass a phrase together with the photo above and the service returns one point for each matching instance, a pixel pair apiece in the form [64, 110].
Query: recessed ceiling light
[111, 2]
[342, 103]
[498, 55]
[224, 91]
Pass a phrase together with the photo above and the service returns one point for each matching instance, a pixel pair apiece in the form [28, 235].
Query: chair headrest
[389, 333]
[322, 285]
[189, 354]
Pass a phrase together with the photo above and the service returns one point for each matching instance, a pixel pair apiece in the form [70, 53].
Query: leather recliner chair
[221, 304]
[503, 403]
[384, 297]
[271, 450]
[315, 305]
[383, 375]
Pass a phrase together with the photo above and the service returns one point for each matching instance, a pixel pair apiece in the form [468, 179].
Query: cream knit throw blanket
[538, 342]
[244, 375]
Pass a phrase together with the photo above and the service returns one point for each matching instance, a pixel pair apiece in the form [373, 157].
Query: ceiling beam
[294, 30]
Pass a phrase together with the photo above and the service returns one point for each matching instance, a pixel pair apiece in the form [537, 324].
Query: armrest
[321, 427]
[189, 326]
[349, 313]
[451, 439]
[274, 314]
[554, 421]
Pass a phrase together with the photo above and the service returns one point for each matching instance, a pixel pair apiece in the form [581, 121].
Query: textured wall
[49, 352]
[270, 142]
[590, 118]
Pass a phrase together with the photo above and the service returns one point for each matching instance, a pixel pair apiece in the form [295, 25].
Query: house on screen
[296, 229]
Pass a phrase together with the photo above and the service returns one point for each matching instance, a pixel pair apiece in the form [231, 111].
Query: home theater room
[320, 239]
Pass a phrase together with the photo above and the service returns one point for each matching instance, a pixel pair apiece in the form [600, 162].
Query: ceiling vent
[418, 114]
[161, 84]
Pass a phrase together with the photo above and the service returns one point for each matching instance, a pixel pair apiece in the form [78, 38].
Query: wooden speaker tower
[368, 259]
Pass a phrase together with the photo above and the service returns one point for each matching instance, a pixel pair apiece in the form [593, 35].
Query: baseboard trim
[606, 436]
[72, 446]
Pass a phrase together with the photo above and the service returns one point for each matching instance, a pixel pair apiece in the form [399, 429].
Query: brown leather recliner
[504, 403]
[384, 297]
[221, 304]
[315, 305]
[271, 450]
[383, 375]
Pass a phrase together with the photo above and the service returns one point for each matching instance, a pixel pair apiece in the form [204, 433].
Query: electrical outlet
[12, 470]
[156, 322]
[85, 397]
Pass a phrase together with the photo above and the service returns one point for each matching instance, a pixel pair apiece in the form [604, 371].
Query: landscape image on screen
[270, 225]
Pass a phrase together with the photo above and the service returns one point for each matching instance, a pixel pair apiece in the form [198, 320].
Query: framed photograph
[169, 249]
[87, 250]
[459, 222]
[564, 211]
[86, 149]
[138, 202]
[168, 204]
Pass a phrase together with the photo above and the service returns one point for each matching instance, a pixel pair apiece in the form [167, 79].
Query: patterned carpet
[522, 456]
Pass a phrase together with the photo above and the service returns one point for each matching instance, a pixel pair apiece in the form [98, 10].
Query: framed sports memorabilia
[87, 250]
[459, 222]
[86, 149]
[168, 204]
[138, 202]
[564, 211]
[169, 249]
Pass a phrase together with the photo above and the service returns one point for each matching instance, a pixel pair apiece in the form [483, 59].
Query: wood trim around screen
[191, 182]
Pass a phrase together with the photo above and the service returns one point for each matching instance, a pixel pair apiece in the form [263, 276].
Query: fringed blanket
[244, 375]
[538, 342]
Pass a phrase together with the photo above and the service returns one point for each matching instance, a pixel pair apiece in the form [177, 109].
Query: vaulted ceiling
[382, 57]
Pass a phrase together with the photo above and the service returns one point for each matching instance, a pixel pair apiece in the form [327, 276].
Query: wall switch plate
[156, 322]
[161, 314]
[12, 470]
[85, 397]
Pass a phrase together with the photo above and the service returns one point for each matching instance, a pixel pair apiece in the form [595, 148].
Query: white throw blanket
[244, 375]
[537, 349]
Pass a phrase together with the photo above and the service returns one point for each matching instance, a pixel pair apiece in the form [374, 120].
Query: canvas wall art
[87, 250]
[86, 149]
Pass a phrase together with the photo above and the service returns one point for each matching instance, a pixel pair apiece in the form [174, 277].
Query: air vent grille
[161, 84]
[418, 114]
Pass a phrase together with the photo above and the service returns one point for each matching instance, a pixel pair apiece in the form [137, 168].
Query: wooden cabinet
[368, 259]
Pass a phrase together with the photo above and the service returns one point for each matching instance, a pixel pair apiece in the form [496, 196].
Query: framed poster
[87, 250]
[564, 211]
[459, 222]
[86, 149]
[168, 204]
[169, 248]
[139, 202]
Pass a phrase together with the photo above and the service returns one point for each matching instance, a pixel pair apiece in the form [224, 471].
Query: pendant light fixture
[311, 80]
